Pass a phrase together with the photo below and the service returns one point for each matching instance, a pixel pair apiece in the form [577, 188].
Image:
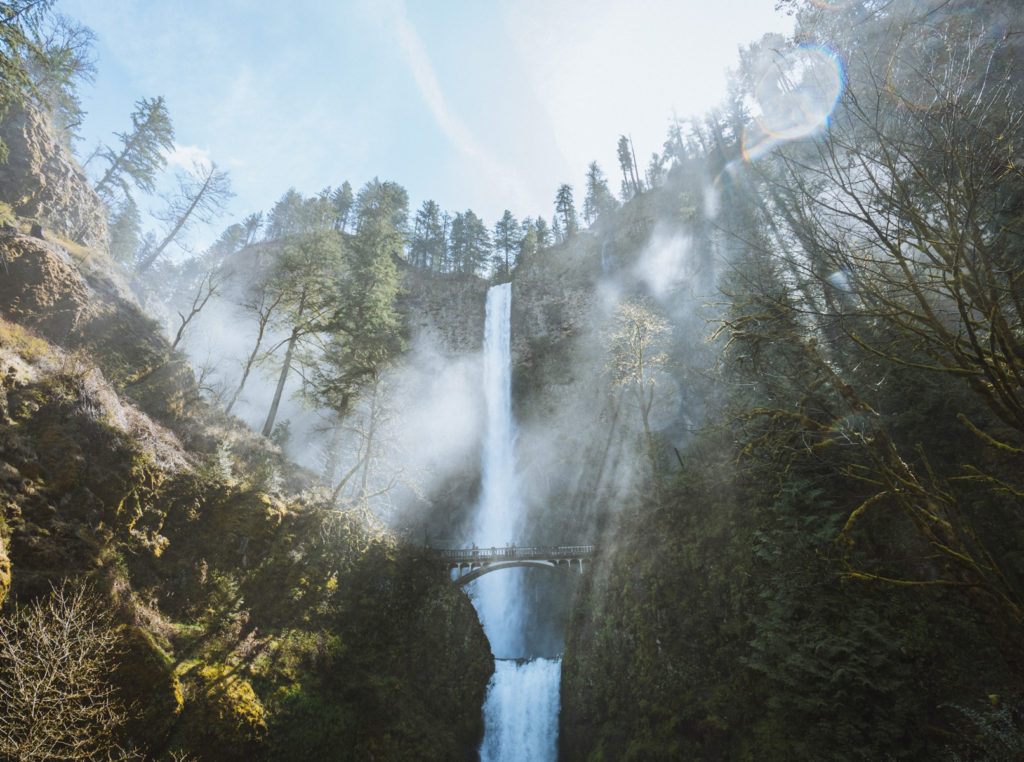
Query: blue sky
[485, 105]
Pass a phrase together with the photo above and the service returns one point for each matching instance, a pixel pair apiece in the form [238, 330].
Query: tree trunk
[179, 223]
[370, 434]
[269, 425]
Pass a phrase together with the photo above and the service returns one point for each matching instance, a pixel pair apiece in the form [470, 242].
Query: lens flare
[794, 98]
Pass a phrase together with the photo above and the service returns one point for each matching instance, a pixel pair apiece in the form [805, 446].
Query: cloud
[189, 158]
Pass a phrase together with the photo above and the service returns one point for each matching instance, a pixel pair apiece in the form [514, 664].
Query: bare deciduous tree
[55, 701]
[633, 360]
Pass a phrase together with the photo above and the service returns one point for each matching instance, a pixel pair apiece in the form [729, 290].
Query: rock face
[41, 289]
[443, 311]
[41, 181]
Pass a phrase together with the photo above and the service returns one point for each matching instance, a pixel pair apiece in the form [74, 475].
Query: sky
[478, 104]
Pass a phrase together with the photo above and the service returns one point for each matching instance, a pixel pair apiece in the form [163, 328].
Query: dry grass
[24, 342]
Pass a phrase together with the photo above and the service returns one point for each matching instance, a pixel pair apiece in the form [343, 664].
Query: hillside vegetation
[778, 381]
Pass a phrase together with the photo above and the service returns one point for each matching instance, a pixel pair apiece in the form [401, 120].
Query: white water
[521, 709]
[521, 712]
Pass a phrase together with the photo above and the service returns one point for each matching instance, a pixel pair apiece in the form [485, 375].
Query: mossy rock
[228, 527]
[225, 720]
[150, 688]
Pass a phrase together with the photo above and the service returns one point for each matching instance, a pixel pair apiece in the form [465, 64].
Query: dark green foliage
[470, 243]
[377, 696]
[362, 322]
[835, 572]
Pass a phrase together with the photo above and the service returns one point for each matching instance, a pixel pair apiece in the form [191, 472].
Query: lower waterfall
[521, 709]
[521, 712]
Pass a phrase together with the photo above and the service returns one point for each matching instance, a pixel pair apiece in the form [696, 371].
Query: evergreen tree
[42, 59]
[445, 265]
[288, 217]
[470, 243]
[506, 243]
[125, 231]
[527, 241]
[565, 210]
[364, 329]
[304, 281]
[251, 227]
[141, 153]
[627, 163]
[342, 200]
[427, 244]
[655, 170]
[15, 82]
[61, 57]
[543, 233]
[599, 199]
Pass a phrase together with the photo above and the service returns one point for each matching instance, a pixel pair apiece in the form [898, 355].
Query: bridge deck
[455, 556]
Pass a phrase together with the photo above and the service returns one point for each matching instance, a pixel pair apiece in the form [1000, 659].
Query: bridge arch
[467, 564]
[479, 570]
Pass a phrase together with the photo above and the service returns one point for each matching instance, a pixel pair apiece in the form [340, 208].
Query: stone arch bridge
[467, 564]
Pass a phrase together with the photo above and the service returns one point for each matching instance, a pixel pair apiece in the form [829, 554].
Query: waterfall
[521, 709]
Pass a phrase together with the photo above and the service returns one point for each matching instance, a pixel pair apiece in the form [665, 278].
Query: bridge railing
[513, 552]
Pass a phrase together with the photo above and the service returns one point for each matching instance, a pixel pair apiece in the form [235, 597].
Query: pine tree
[61, 57]
[42, 58]
[599, 199]
[506, 243]
[364, 328]
[565, 209]
[427, 244]
[305, 277]
[627, 163]
[543, 233]
[141, 154]
[527, 241]
[125, 231]
[655, 170]
[342, 201]
[470, 243]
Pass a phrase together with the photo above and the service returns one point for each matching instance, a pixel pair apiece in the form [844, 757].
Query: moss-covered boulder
[224, 719]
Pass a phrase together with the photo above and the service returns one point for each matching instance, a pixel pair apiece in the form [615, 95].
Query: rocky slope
[255, 621]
